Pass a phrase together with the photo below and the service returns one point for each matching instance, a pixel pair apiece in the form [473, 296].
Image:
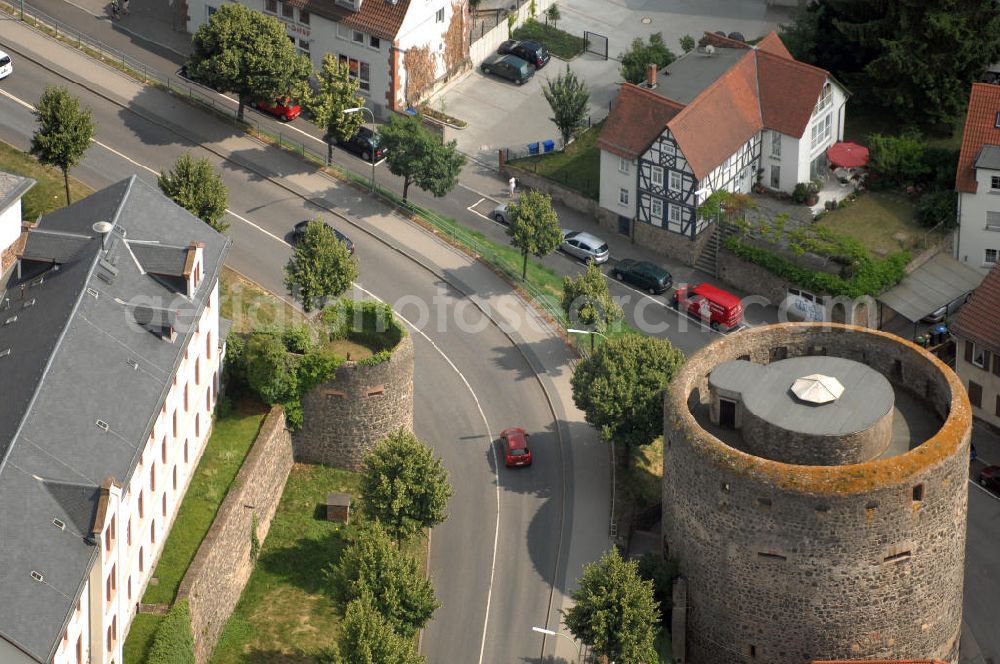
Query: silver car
[501, 215]
[585, 246]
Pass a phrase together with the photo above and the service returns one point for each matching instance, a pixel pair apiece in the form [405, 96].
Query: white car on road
[6, 67]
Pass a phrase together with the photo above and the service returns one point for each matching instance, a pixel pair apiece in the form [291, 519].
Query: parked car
[510, 67]
[300, 232]
[585, 246]
[529, 50]
[6, 67]
[365, 143]
[643, 274]
[283, 109]
[720, 309]
[989, 477]
[501, 215]
[515, 447]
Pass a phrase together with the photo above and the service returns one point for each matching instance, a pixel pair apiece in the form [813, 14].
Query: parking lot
[502, 114]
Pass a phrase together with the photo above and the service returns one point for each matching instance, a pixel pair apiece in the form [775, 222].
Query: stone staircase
[708, 259]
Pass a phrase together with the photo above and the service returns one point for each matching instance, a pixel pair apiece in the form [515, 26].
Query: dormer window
[825, 98]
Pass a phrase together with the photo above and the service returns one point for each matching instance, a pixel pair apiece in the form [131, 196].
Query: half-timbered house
[725, 116]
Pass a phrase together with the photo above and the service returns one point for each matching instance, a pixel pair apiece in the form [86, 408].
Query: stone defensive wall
[788, 563]
[221, 568]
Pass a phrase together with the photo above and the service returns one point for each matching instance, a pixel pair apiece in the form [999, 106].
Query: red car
[283, 109]
[713, 305]
[989, 477]
[515, 447]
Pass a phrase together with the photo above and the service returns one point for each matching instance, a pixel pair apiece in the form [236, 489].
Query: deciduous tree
[687, 43]
[620, 387]
[587, 302]
[197, 188]
[419, 158]
[64, 131]
[244, 51]
[614, 611]
[568, 98]
[635, 60]
[534, 227]
[366, 638]
[336, 91]
[269, 369]
[403, 486]
[321, 266]
[553, 14]
[375, 565]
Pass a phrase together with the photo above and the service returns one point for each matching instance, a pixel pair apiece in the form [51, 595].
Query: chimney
[651, 76]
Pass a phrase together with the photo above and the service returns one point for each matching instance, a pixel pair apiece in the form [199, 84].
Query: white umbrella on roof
[817, 388]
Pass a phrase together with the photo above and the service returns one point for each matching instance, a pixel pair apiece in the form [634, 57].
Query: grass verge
[559, 42]
[250, 307]
[50, 191]
[140, 638]
[884, 222]
[577, 167]
[639, 483]
[232, 436]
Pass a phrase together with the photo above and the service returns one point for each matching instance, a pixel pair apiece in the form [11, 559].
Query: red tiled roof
[977, 320]
[772, 43]
[789, 91]
[376, 17]
[636, 119]
[980, 130]
[721, 119]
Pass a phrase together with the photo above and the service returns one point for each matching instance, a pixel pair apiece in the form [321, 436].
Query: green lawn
[250, 307]
[50, 191]
[559, 42]
[577, 167]
[882, 221]
[231, 439]
[140, 637]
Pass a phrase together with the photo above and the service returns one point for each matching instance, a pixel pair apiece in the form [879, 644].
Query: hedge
[174, 641]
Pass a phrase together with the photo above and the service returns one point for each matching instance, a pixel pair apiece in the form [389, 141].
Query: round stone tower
[814, 496]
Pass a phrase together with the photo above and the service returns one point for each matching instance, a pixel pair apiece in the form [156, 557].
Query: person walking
[513, 185]
[125, 6]
[116, 10]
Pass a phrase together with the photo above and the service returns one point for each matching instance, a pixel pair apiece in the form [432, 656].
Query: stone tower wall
[347, 416]
[789, 563]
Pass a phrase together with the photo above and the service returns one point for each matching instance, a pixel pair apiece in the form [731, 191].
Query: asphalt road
[468, 387]
[982, 573]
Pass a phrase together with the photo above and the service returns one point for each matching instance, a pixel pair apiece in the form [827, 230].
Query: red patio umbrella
[847, 155]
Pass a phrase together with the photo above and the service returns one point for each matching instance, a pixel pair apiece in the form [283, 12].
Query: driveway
[501, 114]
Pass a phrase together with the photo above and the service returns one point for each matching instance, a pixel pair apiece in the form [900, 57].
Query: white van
[6, 68]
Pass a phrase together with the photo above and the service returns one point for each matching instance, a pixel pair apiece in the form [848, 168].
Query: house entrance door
[727, 413]
[775, 176]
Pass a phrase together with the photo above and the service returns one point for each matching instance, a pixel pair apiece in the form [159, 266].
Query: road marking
[984, 489]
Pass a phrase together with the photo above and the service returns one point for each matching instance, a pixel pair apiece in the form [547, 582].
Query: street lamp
[592, 333]
[361, 109]
[549, 632]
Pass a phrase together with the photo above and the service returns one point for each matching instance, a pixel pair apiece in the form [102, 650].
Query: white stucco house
[110, 351]
[12, 188]
[722, 117]
[978, 180]
[383, 42]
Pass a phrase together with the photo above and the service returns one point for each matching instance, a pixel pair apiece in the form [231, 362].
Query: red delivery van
[722, 310]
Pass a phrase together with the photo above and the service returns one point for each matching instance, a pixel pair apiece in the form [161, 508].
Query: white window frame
[287, 11]
[993, 221]
[978, 353]
[995, 183]
[374, 42]
[986, 257]
[656, 210]
[439, 16]
[676, 181]
[825, 98]
[304, 13]
[775, 144]
[271, 6]
[623, 165]
[358, 37]
[343, 32]
[822, 130]
[669, 150]
[674, 217]
[656, 176]
[623, 196]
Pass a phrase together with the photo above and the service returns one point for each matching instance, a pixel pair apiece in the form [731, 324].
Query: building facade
[815, 488]
[978, 180]
[724, 117]
[977, 335]
[112, 341]
[396, 49]
[12, 188]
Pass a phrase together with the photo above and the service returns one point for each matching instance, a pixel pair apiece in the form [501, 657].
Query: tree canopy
[620, 387]
[418, 157]
[640, 54]
[568, 97]
[367, 638]
[374, 564]
[64, 131]
[336, 91]
[403, 486]
[912, 57]
[197, 188]
[534, 226]
[614, 611]
[321, 266]
[587, 302]
[244, 51]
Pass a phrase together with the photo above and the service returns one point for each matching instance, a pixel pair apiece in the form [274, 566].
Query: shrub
[372, 321]
[174, 641]
[297, 338]
[800, 193]
[897, 160]
[940, 165]
[662, 572]
[938, 207]
[270, 370]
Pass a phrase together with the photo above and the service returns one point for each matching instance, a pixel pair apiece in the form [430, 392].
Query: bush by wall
[938, 207]
[174, 641]
[896, 160]
[372, 323]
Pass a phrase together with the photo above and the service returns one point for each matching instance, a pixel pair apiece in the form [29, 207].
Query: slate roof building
[109, 356]
[12, 188]
[978, 180]
[373, 38]
[722, 117]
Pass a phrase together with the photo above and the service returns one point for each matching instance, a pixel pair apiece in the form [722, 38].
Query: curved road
[460, 367]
